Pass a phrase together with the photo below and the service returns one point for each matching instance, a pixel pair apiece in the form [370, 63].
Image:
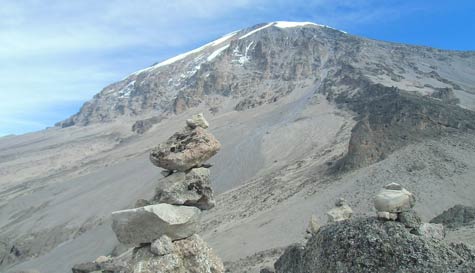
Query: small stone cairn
[395, 203]
[163, 230]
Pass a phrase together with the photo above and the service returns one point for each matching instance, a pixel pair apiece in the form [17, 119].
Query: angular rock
[185, 150]
[431, 231]
[189, 255]
[162, 246]
[394, 198]
[341, 212]
[313, 225]
[387, 215]
[146, 224]
[191, 188]
[410, 219]
[197, 120]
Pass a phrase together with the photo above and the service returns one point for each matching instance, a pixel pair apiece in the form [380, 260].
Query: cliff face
[262, 64]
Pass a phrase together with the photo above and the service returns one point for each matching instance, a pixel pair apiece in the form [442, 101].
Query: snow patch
[184, 55]
[256, 30]
[216, 53]
[125, 92]
[285, 24]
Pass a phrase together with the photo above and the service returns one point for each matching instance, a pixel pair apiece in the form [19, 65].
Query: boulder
[341, 212]
[197, 120]
[410, 219]
[185, 150]
[191, 188]
[369, 245]
[146, 224]
[394, 198]
[162, 246]
[189, 255]
[431, 231]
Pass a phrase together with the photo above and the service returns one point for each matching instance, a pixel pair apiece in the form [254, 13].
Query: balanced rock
[189, 255]
[191, 188]
[185, 150]
[197, 120]
[146, 224]
[341, 212]
[431, 231]
[393, 199]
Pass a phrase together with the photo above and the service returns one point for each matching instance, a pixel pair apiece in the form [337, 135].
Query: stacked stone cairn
[395, 203]
[163, 231]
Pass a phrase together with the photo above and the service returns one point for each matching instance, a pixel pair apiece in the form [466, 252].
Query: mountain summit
[261, 64]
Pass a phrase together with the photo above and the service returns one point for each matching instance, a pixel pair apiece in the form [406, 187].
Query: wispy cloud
[55, 53]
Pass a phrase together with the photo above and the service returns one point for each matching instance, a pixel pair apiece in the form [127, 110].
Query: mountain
[305, 114]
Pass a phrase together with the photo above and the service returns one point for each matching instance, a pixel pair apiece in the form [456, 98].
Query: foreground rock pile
[162, 231]
[394, 241]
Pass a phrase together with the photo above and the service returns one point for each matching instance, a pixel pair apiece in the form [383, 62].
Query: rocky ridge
[163, 231]
[383, 244]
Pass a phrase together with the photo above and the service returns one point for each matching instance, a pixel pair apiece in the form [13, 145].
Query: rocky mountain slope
[305, 114]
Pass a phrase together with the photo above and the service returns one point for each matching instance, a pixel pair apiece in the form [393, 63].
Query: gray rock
[197, 120]
[341, 212]
[410, 219]
[191, 188]
[185, 150]
[162, 246]
[189, 255]
[146, 224]
[394, 198]
[313, 225]
[431, 231]
[370, 245]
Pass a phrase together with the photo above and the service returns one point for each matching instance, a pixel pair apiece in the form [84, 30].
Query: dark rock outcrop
[371, 245]
[142, 126]
[456, 216]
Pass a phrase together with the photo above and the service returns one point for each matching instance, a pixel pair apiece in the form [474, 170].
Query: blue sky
[54, 55]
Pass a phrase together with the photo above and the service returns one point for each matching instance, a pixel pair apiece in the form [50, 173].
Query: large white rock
[197, 120]
[341, 212]
[394, 198]
[146, 224]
